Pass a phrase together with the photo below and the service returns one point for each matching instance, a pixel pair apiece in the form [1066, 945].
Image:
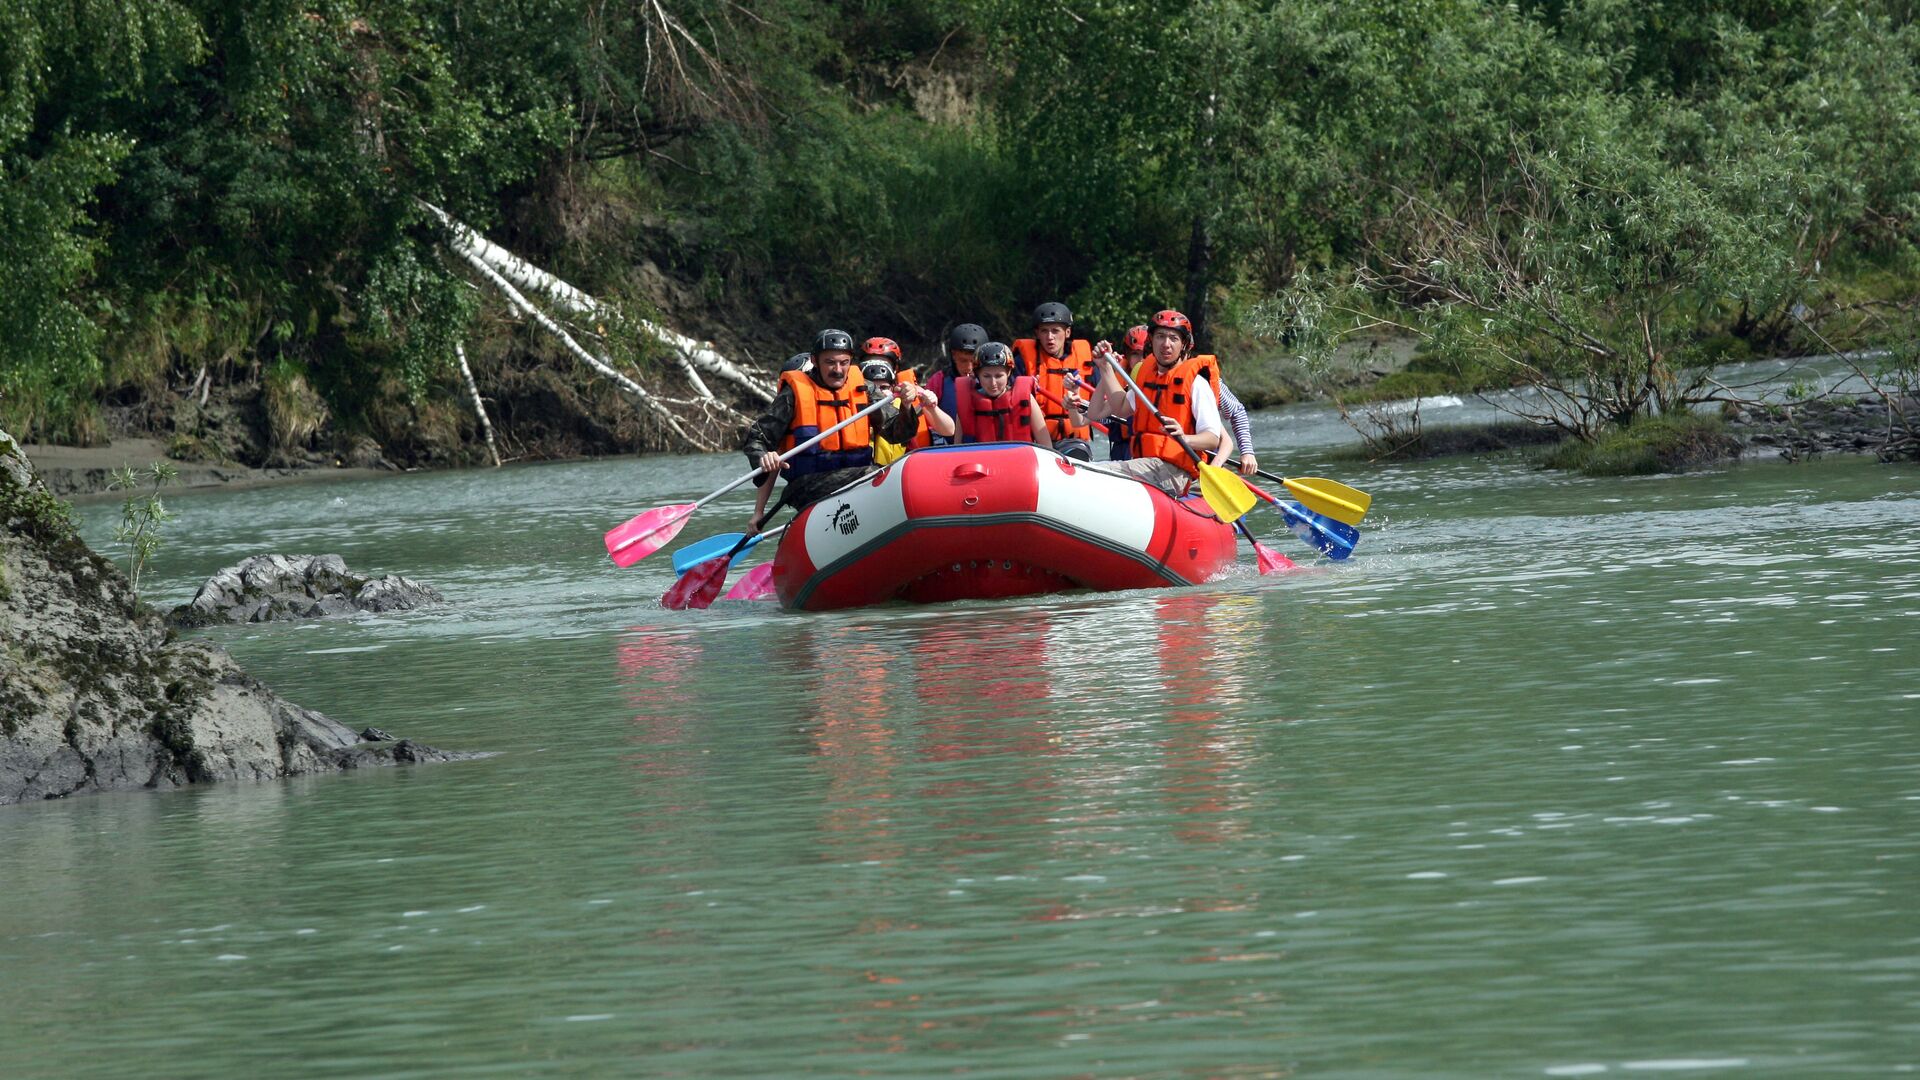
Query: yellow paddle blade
[1330, 497]
[1225, 493]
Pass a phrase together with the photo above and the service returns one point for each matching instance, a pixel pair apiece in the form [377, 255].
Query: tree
[59, 58]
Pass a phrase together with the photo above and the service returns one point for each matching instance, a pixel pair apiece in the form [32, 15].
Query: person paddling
[808, 403]
[962, 341]
[998, 406]
[1180, 387]
[882, 380]
[1119, 428]
[1053, 356]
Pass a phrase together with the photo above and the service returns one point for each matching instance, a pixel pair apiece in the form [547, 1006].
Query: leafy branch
[142, 515]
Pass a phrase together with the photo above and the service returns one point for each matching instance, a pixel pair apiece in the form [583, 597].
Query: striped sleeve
[1235, 415]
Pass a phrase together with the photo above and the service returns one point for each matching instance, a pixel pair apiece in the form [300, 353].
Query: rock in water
[94, 696]
[269, 588]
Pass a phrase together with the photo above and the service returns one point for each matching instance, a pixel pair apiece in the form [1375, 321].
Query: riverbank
[81, 473]
[1855, 425]
[97, 694]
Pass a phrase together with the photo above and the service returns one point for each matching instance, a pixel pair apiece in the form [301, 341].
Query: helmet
[1077, 449]
[1173, 320]
[1136, 340]
[967, 337]
[881, 346]
[799, 361]
[874, 369]
[994, 354]
[1052, 312]
[832, 341]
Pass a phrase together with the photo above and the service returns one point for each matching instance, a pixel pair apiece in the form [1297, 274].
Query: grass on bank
[1657, 444]
[1449, 440]
[1653, 445]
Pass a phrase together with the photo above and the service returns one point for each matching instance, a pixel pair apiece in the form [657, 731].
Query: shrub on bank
[1448, 440]
[1651, 445]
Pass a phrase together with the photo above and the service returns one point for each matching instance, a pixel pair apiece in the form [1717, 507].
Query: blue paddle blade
[712, 548]
[1335, 539]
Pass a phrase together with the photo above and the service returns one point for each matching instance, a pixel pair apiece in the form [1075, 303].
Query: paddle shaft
[700, 551]
[1262, 473]
[875, 407]
[1095, 424]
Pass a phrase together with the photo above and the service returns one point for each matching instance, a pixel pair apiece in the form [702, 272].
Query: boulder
[270, 588]
[96, 695]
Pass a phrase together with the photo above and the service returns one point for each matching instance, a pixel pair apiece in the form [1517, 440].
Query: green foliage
[61, 60]
[295, 413]
[142, 515]
[418, 310]
[49, 364]
[1603, 198]
[35, 512]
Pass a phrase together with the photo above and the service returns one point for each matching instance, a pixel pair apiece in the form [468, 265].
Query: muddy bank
[232, 427]
[1888, 427]
[74, 472]
[96, 694]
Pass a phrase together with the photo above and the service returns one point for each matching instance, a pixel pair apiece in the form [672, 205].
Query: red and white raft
[993, 520]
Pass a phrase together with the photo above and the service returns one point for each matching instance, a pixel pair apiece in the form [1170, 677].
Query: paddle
[1077, 400]
[698, 587]
[652, 530]
[1223, 491]
[1271, 561]
[1334, 539]
[755, 584]
[1329, 498]
[719, 544]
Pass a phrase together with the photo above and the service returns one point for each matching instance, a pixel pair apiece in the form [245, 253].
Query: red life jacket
[1050, 375]
[1007, 418]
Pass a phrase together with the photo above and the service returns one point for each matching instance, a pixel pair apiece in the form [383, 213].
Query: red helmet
[1173, 320]
[882, 346]
[1136, 340]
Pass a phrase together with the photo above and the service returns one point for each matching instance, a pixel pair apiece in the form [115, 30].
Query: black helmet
[1077, 449]
[967, 337]
[832, 341]
[799, 361]
[875, 368]
[993, 354]
[1053, 311]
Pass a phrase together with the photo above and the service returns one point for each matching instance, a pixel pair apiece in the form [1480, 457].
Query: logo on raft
[845, 520]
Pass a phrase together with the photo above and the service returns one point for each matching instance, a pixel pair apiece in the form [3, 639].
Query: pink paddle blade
[1271, 561]
[756, 584]
[646, 533]
[697, 587]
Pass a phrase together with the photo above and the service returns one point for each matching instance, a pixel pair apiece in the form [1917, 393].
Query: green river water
[1557, 777]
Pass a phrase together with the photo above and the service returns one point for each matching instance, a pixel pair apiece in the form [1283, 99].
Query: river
[1557, 777]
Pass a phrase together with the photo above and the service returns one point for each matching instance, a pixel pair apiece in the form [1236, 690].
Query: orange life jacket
[1170, 393]
[922, 433]
[815, 409]
[1050, 375]
[922, 436]
[1007, 418]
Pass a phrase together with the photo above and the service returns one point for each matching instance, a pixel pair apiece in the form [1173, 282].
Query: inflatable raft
[993, 520]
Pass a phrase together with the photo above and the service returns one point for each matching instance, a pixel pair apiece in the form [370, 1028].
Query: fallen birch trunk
[473, 388]
[688, 353]
[647, 398]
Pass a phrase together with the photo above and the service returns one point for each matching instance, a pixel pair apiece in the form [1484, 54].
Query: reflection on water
[1557, 777]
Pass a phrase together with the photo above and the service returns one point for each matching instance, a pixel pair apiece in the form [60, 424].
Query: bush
[1658, 444]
